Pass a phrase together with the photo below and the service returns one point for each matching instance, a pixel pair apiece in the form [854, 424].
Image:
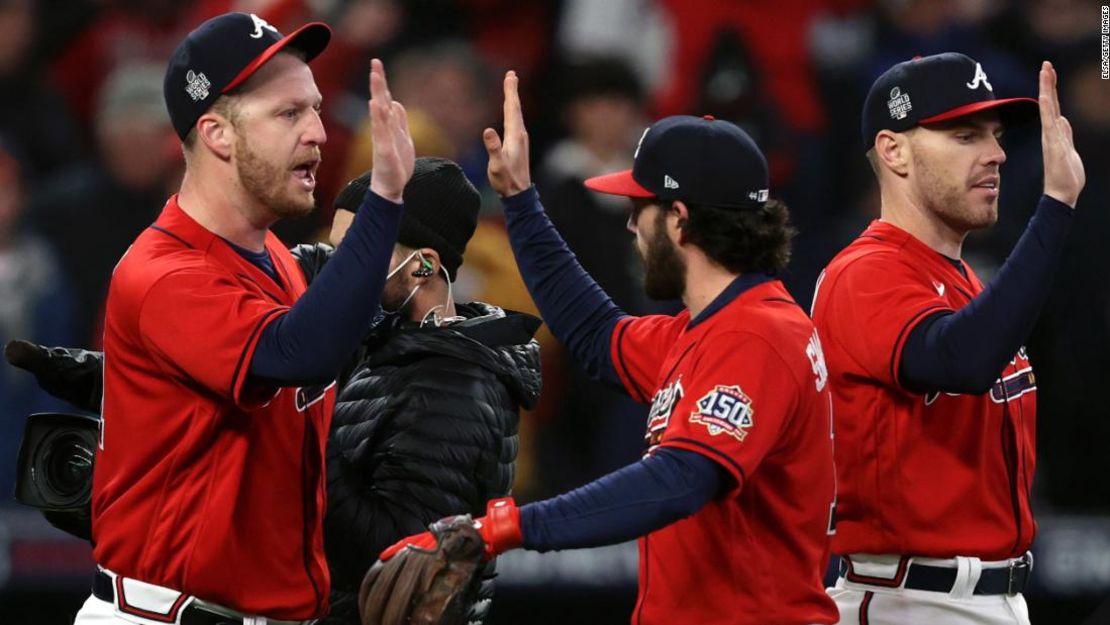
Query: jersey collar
[886, 231]
[176, 223]
[735, 289]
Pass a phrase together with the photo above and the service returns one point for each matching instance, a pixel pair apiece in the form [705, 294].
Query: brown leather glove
[433, 586]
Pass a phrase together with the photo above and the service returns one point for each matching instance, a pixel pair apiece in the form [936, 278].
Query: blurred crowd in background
[88, 158]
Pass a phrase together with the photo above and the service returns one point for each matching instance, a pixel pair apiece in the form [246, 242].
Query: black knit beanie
[441, 209]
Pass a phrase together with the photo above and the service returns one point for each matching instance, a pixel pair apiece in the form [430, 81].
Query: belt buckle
[1024, 564]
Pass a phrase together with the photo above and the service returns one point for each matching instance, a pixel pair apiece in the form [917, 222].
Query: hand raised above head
[1064, 176]
[394, 154]
[508, 157]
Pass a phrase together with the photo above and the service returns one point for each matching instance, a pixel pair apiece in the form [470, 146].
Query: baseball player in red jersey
[732, 500]
[208, 488]
[934, 395]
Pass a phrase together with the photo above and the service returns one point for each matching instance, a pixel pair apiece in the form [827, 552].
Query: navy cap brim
[311, 39]
[1011, 110]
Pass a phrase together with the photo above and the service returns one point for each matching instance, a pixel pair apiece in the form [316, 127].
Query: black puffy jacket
[425, 426]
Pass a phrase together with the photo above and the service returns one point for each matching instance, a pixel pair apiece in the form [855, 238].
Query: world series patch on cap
[700, 160]
[222, 53]
[933, 89]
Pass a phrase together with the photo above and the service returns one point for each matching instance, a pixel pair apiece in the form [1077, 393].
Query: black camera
[55, 468]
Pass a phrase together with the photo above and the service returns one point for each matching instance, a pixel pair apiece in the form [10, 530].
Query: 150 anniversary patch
[725, 409]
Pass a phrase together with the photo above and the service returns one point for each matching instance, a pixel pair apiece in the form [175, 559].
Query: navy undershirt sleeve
[580, 314]
[965, 351]
[634, 501]
[312, 341]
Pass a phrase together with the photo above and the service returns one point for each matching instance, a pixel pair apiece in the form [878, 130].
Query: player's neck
[912, 216]
[428, 297]
[705, 280]
[218, 203]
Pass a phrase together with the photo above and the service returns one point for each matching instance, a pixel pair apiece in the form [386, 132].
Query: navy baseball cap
[221, 54]
[700, 160]
[932, 89]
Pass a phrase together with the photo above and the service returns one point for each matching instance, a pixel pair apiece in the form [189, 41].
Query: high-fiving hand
[508, 156]
[1063, 169]
[394, 155]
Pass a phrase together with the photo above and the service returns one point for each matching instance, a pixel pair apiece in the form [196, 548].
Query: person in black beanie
[427, 412]
[425, 424]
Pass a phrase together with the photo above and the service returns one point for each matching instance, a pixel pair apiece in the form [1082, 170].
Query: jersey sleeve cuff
[904, 335]
[245, 393]
[616, 355]
[729, 464]
[527, 199]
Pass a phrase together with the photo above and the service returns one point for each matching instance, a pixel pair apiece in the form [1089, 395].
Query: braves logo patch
[727, 410]
[662, 405]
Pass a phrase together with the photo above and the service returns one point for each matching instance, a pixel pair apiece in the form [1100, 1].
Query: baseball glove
[426, 586]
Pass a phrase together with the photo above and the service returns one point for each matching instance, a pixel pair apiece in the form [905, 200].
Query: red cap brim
[311, 39]
[1022, 111]
[619, 183]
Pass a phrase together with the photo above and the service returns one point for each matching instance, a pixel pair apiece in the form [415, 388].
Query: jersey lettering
[308, 395]
[817, 360]
[1008, 388]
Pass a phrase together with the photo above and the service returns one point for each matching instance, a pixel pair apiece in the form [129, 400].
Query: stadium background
[87, 158]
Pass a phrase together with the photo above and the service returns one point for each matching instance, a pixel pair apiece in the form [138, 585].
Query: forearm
[310, 343]
[965, 351]
[634, 501]
[580, 314]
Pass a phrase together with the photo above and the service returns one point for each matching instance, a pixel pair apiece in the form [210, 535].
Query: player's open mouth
[306, 173]
[990, 184]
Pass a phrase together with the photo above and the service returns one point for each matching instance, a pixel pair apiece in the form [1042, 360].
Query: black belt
[1008, 580]
[191, 614]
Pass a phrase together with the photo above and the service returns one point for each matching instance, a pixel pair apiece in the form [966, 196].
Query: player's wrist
[1063, 197]
[500, 528]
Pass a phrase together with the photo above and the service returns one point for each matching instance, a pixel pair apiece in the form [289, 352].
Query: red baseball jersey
[745, 387]
[936, 475]
[206, 482]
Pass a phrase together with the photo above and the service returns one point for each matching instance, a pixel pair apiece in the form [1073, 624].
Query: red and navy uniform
[745, 386]
[206, 481]
[920, 473]
[733, 500]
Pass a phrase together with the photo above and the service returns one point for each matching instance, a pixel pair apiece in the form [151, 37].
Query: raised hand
[394, 155]
[1063, 169]
[508, 158]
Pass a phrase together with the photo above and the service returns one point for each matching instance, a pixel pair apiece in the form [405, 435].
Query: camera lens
[65, 465]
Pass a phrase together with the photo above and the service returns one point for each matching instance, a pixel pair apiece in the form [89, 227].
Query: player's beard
[951, 203]
[664, 269]
[269, 183]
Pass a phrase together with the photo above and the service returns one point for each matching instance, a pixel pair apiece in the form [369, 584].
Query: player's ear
[429, 264]
[216, 133]
[677, 220]
[892, 151]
